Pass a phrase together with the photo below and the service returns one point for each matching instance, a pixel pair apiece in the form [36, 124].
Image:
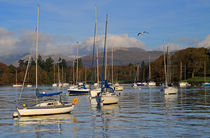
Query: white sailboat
[79, 88]
[205, 84]
[150, 83]
[116, 86]
[134, 85]
[94, 91]
[29, 85]
[107, 95]
[182, 84]
[168, 89]
[17, 84]
[45, 107]
[54, 84]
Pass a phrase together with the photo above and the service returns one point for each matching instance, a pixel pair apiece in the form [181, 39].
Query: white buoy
[15, 114]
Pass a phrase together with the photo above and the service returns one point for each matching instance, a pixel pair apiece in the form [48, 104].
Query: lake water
[140, 113]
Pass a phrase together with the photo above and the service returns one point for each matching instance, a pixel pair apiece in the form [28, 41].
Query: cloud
[7, 42]
[112, 41]
[180, 43]
[171, 47]
[22, 42]
[205, 43]
[185, 41]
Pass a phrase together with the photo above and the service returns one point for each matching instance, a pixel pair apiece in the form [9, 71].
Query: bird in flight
[142, 33]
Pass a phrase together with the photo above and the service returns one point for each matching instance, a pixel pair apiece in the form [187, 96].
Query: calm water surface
[140, 113]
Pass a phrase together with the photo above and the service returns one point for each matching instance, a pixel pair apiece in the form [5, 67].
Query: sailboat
[107, 94]
[94, 91]
[116, 86]
[205, 84]
[54, 84]
[150, 83]
[17, 84]
[182, 84]
[167, 89]
[45, 107]
[29, 85]
[80, 88]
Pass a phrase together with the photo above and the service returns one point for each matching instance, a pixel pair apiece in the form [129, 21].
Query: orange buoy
[74, 101]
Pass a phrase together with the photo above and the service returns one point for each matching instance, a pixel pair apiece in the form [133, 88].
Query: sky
[176, 23]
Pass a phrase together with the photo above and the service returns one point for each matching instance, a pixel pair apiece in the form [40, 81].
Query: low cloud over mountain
[14, 44]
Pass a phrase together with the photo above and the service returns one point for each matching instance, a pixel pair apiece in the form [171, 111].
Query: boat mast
[16, 76]
[77, 63]
[204, 71]
[180, 71]
[96, 48]
[166, 82]
[94, 44]
[59, 75]
[73, 72]
[149, 69]
[112, 67]
[54, 72]
[104, 55]
[62, 76]
[106, 47]
[37, 40]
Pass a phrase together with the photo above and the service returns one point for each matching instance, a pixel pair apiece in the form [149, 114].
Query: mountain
[55, 57]
[10, 59]
[124, 56]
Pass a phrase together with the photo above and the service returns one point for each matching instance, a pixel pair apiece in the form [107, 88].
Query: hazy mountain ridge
[122, 56]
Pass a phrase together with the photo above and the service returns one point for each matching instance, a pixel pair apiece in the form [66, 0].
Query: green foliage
[21, 63]
[80, 64]
[192, 59]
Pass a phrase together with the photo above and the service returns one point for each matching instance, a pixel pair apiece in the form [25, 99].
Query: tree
[48, 64]
[40, 61]
[12, 68]
[80, 64]
[21, 63]
[143, 71]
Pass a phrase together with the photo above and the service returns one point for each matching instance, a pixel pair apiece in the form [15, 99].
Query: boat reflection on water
[93, 103]
[110, 107]
[170, 99]
[47, 123]
[171, 102]
[102, 108]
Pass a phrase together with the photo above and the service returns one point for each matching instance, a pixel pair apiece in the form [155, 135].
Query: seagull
[142, 33]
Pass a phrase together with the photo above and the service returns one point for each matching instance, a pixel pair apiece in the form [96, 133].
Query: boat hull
[206, 84]
[33, 111]
[94, 92]
[119, 88]
[170, 90]
[151, 84]
[78, 91]
[17, 85]
[106, 99]
[183, 84]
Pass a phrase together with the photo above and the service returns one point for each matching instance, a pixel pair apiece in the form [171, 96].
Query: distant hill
[124, 56]
[10, 59]
[55, 57]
